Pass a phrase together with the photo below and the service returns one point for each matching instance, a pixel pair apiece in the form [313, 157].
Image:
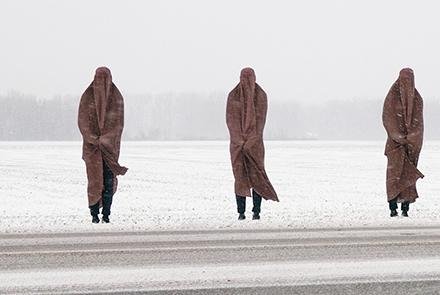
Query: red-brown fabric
[246, 116]
[101, 121]
[403, 120]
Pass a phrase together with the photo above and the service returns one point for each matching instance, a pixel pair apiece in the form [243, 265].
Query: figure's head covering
[247, 94]
[407, 93]
[101, 90]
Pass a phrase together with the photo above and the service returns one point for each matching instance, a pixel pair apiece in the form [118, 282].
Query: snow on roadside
[189, 185]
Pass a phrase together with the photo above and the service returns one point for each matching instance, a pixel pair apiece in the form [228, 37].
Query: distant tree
[201, 116]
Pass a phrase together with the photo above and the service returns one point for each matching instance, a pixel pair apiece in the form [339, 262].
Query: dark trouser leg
[241, 204]
[94, 209]
[107, 194]
[405, 206]
[393, 204]
[257, 202]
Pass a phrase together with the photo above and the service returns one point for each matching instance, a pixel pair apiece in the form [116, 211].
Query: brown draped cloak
[101, 120]
[403, 120]
[246, 116]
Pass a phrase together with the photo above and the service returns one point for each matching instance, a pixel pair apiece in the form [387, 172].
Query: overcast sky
[302, 50]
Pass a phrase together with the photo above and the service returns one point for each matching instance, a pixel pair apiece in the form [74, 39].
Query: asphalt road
[330, 261]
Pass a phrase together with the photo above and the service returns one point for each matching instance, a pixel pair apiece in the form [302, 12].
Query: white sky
[303, 50]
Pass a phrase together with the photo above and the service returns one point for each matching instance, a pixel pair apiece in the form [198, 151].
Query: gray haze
[307, 51]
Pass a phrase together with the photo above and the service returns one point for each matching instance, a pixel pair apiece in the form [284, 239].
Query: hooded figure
[403, 120]
[101, 120]
[246, 116]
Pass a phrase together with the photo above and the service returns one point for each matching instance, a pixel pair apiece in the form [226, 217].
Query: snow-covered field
[189, 185]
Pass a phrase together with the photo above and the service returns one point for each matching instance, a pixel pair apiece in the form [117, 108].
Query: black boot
[105, 219]
[405, 208]
[256, 198]
[393, 207]
[241, 207]
[95, 219]
[94, 211]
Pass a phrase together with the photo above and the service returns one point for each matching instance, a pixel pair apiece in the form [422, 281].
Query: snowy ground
[189, 185]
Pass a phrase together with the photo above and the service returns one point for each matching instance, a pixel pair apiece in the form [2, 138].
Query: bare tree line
[197, 116]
